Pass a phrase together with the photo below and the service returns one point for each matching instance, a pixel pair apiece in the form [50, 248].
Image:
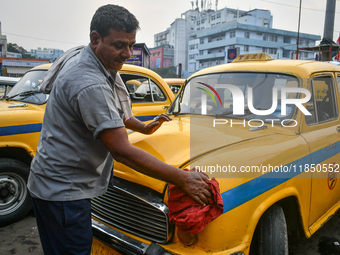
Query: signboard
[232, 54]
[167, 62]
[136, 57]
[13, 55]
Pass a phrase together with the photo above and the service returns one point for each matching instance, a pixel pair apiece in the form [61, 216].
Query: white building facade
[207, 36]
[3, 44]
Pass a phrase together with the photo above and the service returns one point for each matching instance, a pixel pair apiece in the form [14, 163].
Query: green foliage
[166, 72]
[13, 47]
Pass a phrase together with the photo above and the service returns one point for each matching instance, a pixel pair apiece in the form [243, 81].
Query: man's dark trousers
[64, 227]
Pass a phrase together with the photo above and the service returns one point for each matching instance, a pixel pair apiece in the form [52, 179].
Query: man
[84, 124]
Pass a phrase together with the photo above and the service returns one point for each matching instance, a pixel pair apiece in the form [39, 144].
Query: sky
[63, 24]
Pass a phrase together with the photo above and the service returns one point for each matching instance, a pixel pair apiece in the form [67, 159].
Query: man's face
[114, 49]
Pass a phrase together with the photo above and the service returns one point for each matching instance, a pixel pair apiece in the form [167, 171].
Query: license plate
[99, 248]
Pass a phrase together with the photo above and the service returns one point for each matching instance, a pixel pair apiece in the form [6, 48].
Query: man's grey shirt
[71, 163]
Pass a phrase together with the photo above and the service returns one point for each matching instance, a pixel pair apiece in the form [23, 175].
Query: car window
[27, 88]
[322, 104]
[175, 88]
[338, 81]
[143, 89]
[223, 93]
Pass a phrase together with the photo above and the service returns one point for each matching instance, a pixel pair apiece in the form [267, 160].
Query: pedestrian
[84, 131]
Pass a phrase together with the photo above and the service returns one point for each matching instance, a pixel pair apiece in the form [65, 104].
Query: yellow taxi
[175, 84]
[269, 132]
[6, 83]
[21, 116]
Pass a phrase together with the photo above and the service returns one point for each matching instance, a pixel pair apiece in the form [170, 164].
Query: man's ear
[94, 38]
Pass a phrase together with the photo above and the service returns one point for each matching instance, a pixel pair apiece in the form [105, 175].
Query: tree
[13, 47]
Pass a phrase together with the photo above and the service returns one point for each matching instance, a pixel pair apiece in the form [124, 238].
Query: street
[22, 238]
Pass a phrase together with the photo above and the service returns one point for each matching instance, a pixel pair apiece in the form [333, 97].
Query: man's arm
[116, 140]
[136, 125]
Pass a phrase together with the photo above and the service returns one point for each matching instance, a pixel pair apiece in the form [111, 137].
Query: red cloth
[188, 215]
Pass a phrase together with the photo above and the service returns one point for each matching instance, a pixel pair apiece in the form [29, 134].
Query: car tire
[272, 232]
[15, 200]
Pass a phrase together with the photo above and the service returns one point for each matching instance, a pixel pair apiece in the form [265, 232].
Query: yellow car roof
[302, 68]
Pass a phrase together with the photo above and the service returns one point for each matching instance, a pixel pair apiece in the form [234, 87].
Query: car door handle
[166, 107]
[338, 129]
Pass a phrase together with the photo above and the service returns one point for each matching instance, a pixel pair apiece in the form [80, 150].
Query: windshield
[30, 82]
[238, 95]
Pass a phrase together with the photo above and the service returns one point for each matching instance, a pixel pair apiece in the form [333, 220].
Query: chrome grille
[136, 211]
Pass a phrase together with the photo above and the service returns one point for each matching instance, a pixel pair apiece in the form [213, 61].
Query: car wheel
[272, 232]
[15, 201]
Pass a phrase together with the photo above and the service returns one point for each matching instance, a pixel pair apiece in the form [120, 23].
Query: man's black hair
[113, 17]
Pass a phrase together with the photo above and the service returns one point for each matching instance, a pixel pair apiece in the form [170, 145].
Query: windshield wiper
[23, 94]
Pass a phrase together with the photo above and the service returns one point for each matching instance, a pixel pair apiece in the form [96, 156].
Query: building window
[219, 15]
[306, 54]
[213, 17]
[273, 38]
[231, 46]
[265, 37]
[246, 34]
[0, 48]
[232, 34]
[198, 22]
[201, 52]
[201, 41]
[246, 48]
[272, 51]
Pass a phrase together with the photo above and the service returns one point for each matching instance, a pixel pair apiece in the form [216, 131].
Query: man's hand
[154, 125]
[136, 125]
[195, 186]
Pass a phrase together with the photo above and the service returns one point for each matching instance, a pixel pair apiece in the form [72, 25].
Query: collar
[99, 64]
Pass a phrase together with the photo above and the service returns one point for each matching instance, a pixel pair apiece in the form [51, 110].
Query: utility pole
[328, 28]
[298, 35]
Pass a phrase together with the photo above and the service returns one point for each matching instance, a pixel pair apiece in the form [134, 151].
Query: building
[50, 54]
[3, 43]
[177, 36]
[140, 55]
[17, 67]
[161, 56]
[204, 37]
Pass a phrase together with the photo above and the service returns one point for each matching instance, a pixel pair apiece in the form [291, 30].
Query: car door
[149, 98]
[322, 133]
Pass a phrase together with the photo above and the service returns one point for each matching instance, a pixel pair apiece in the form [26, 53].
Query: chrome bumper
[123, 243]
